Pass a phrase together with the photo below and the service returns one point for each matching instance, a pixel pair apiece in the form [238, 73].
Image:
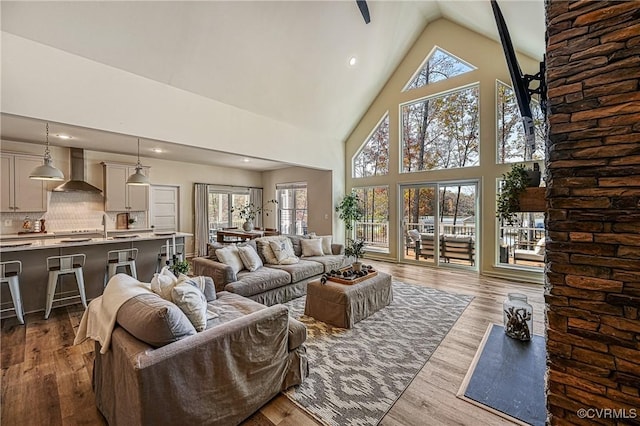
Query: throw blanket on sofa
[99, 319]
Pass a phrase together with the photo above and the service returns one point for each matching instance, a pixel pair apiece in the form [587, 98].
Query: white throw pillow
[264, 249]
[192, 302]
[540, 246]
[250, 258]
[283, 251]
[312, 247]
[230, 257]
[162, 283]
[326, 243]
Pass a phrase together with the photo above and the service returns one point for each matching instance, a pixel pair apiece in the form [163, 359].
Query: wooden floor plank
[47, 380]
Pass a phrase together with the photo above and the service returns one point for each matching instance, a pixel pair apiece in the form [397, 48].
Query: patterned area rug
[356, 375]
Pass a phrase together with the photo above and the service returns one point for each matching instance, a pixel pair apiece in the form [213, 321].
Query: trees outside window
[441, 132]
[440, 65]
[373, 158]
[510, 133]
[292, 208]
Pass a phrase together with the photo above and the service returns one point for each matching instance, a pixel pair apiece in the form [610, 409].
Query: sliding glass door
[439, 223]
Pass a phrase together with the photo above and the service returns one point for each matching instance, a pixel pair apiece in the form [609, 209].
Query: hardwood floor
[47, 380]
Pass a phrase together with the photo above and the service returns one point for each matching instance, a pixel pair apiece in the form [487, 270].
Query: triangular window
[440, 65]
[373, 157]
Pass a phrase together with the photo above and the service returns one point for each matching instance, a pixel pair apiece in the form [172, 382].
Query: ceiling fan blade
[364, 9]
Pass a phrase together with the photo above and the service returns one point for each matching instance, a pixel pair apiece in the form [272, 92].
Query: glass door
[439, 223]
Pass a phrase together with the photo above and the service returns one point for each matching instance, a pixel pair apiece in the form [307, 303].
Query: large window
[373, 158]
[292, 208]
[441, 132]
[440, 65]
[221, 200]
[510, 132]
[374, 226]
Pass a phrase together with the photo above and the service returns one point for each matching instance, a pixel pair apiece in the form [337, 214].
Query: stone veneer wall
[593, 211]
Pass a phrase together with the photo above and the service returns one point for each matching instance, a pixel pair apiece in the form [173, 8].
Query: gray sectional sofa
[272, 283]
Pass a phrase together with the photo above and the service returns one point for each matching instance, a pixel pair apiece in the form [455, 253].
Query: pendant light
[138, 178]
[47, 171]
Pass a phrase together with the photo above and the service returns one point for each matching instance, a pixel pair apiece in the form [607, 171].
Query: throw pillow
[202, 283]
[250, 258]
[264, 249]
[326, 243]
[283, 250]
[540, 246]
[230, 256]
[162, 283]
[154, 320]
[312, 247]
[211, 250]
[192, 302]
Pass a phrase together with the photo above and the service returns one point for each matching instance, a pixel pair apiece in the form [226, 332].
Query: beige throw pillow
[230, 257]
[162, 283]
[311, 247]
[283, 251]
[250, 258]
[326, 243]
[192, 302]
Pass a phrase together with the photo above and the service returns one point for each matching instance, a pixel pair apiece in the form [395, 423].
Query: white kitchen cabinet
[120, 197]
[18, 193]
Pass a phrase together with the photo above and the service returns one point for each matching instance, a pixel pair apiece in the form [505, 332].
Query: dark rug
[507, 375]
[356, 375]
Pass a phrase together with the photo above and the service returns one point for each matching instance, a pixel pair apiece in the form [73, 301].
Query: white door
[163, 215]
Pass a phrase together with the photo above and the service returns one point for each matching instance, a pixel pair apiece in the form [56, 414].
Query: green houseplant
[355, 248]
[179, 267]
[514, 183]
[250, 211]
[350, 211]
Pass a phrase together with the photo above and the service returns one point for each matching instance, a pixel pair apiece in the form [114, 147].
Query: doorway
[164, 208]
[439, 224]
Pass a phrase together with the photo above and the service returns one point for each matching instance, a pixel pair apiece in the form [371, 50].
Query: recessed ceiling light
[246, 160]
[64, 136]
[352, 61]
[158, 150]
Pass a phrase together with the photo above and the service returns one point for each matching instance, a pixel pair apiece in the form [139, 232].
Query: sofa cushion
[163, 282]
[192, 302]
[211, 250]
[250, 258]
[154, 320]
[264, 249]
[230, 257]
[250, 283]
[295, 242]
[301, 270]
[283, 251]
[330, 262]
[311, 247]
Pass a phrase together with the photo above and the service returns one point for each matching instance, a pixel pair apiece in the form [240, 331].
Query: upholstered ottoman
[344, 305]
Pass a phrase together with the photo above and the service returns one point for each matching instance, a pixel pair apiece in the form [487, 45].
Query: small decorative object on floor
[518, 316]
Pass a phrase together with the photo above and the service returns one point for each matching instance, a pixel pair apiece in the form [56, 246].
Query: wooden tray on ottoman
[353, 281]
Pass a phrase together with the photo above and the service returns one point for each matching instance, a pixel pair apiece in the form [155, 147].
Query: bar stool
[9, 272]
[62, 265]
[118, 258]
[166, 253]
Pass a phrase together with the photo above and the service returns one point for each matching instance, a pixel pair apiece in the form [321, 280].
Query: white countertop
[31, 242]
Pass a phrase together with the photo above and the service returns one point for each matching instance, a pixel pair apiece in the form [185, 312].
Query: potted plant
[250, 211]
[355, 248]
[514, 184]
[179, 267]
[350, 211]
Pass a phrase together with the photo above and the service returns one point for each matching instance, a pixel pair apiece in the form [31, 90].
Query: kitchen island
[33, 253]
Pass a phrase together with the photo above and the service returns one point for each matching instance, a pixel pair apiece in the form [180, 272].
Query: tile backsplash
[69, 211]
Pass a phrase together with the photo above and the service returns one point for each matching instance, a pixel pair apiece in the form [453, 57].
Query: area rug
[507, 377]
[357, 374]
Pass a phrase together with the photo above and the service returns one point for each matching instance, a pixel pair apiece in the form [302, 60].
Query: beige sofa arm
[222, 274]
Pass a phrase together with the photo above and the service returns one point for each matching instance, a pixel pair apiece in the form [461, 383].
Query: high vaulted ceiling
[287, 61]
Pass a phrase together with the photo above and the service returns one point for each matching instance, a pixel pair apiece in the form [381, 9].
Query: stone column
[593, 211]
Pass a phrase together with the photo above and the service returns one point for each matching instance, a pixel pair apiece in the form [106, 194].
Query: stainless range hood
[77, 182]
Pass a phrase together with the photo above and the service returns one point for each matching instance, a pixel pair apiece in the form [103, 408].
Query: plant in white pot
[355, 248]
[250, 211]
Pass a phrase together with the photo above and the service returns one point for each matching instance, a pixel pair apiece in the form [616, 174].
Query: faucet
[104, 224]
